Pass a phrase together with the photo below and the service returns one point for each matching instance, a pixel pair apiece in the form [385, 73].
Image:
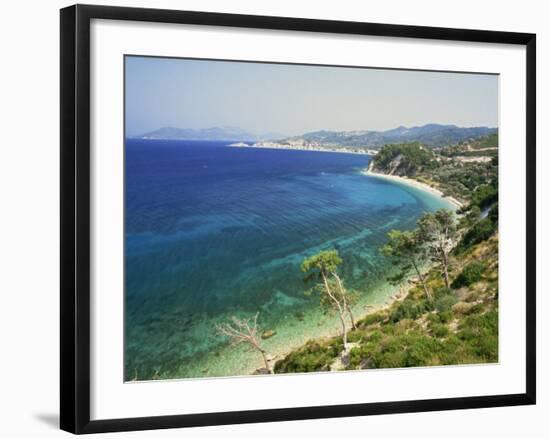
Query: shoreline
[290, 336]
[413, 183]
[395, 294]
[367, 171]
[383, 297]
[342, 150]
[287, 339]
[293, 334]
[391, 294]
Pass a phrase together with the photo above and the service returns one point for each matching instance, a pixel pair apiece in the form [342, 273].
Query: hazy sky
[293, 99]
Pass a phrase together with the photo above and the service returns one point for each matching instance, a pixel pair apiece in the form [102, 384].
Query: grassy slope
[460, 327]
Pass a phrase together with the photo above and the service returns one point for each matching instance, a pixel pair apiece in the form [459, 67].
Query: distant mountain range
[214, 133]
[432, 135]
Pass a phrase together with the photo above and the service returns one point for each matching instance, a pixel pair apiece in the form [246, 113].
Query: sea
[214, 231]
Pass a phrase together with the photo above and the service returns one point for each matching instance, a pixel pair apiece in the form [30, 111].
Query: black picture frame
[75, 217]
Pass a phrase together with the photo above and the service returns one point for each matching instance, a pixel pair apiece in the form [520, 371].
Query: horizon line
[318, 129]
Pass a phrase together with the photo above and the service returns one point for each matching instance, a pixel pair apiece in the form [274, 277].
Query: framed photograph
[268, 218]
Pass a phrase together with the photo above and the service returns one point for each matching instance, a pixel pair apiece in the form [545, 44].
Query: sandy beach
[413, 183]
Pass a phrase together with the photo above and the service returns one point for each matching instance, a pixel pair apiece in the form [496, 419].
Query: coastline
[368, 171]
[293, 335]
[238, 361]
[413, 183]
[340, 150]
[234, 361]
[393, 294]
[389, 294]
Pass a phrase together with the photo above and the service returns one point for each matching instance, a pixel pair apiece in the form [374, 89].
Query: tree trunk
[426, 292]
[344, 330]
[353, 325]
[267, 366]
[445, 263]
[346, 304]
[444, 258]
[340, 311]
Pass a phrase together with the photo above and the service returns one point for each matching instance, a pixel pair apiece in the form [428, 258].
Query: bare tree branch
[244, 331]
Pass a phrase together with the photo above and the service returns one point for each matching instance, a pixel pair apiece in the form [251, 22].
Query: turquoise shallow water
[213, 231]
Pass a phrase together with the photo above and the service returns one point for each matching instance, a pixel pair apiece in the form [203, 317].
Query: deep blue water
[212, 230]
